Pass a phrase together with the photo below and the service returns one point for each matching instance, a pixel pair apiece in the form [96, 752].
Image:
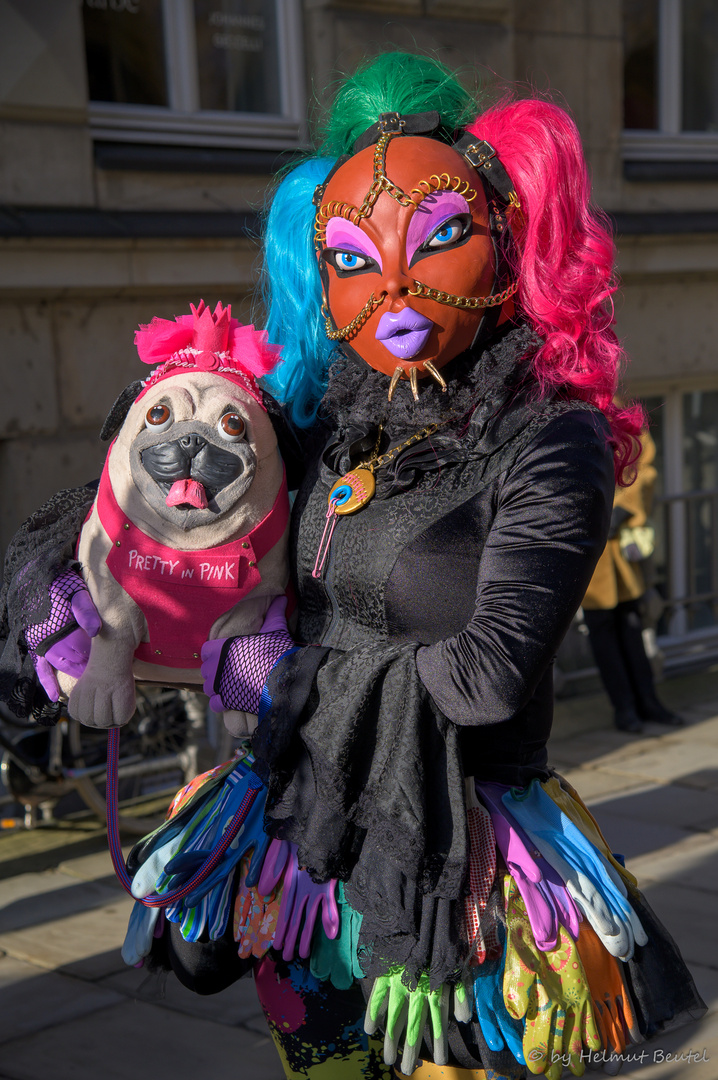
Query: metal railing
[685, 563]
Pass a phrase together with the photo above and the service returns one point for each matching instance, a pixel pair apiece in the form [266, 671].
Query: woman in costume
[441, 290]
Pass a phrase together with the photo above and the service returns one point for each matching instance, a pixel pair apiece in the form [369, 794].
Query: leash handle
[113, 831]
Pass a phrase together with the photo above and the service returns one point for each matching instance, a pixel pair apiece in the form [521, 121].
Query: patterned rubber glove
[255, 916]
[550, 992]
[613, 1009]
[482, 870]
[62, 641]
[235, 670]
[567, 798]
[301, 900]
[401, 1011]
[596, 887]
[498, 1026]
[336, 959]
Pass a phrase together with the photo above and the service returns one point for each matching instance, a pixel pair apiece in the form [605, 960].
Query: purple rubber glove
[62, 641]
[273, 866]
[235, 669]
[547, 901]
[301, 900]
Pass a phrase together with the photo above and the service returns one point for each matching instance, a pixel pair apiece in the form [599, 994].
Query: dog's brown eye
[231, 426]
[158, 416]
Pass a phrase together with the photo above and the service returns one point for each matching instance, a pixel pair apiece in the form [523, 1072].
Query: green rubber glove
[337, 960]
[550, 992]
[400, 1010]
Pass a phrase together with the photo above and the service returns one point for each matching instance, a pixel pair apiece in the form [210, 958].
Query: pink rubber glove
[235, 669]
[62, 641]
[301, 900]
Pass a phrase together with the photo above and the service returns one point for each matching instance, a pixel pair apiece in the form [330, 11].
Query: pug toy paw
[102, 704]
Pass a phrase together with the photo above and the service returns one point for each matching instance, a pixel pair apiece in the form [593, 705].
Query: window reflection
[238, 56]
[700, 473]
[640, 48]
[125, 48]
[700, 65]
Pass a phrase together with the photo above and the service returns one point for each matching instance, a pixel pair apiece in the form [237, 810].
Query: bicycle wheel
[154, 749]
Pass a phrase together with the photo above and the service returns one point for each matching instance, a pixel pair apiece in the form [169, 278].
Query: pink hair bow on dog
[207, 341]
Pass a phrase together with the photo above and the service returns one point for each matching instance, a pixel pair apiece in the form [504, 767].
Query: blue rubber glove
[591, 880]
[140, 932]
[150, 876]
[190, 812]
[251, 836]
[201, 830]
[499, 1029]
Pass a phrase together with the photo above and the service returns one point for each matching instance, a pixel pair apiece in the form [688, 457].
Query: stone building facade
[138, 139]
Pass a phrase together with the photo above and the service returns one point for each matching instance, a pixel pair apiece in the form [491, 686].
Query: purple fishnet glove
[301, 900]
[547, 901]
[62, 641]
[235, 669]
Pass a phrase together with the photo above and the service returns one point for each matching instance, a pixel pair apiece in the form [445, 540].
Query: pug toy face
[194, 444]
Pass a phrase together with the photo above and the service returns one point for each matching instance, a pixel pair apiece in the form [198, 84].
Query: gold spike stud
[428, 366]
[414, 380]
[398, 372]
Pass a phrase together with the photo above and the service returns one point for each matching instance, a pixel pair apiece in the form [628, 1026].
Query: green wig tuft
[396, 82]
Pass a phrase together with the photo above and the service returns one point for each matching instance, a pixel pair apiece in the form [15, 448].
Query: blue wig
[292, 293]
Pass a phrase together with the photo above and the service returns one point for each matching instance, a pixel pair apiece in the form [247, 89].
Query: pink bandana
[183, 593]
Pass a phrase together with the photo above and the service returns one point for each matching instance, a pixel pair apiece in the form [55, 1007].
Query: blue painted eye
[349, 260]
[448, 233]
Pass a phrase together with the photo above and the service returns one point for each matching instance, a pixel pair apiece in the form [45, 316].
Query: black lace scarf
[479, 386]
[42, 547]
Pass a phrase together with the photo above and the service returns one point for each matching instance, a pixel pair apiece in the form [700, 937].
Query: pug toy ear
[119, 410]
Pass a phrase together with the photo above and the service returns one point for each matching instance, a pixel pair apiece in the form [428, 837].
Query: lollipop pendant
[350, 493]
[353, 491]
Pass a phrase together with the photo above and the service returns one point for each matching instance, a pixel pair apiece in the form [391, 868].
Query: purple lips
[404, 333]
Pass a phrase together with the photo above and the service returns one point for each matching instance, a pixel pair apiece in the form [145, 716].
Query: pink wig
[565, 261]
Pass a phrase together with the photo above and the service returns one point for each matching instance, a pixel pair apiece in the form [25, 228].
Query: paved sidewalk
[71, 1010]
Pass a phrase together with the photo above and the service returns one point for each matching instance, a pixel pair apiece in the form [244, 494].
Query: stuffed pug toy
[187, 538]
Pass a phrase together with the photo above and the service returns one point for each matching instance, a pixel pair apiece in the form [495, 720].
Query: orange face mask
[405, 254]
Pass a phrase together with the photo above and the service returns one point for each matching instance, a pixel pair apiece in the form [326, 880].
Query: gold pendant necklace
[356, 488]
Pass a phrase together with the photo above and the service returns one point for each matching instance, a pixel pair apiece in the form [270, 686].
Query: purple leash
[113, 831]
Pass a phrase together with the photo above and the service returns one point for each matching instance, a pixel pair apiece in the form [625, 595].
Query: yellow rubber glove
[573, 806]
[549, 992]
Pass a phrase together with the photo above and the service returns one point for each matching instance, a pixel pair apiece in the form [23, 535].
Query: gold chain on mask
[344, 333]
[466, 303]
[381, 182]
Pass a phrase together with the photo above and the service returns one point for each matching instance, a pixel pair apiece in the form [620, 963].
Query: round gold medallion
[352, 492]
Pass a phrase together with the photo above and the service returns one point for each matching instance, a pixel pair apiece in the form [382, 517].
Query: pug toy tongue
[188, 492]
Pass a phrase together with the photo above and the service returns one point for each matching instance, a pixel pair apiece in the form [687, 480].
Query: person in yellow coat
[611, 607]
